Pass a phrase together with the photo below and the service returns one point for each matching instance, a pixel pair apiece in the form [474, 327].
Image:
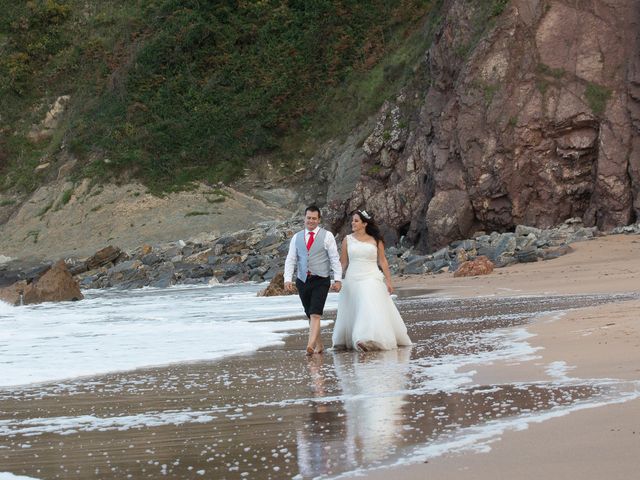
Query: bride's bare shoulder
[368, 239]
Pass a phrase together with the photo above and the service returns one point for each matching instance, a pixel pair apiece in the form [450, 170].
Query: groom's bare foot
[309, 351]
[319, 347]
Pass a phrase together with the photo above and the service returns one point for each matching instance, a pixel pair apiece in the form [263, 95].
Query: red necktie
[310, 241]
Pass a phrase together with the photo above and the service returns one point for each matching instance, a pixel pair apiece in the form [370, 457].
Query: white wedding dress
[366, 313]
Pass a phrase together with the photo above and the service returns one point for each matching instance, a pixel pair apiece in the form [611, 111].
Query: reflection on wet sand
[315, 447]
[379, 416]
[372, 391]
[276, 415]
[372, 387]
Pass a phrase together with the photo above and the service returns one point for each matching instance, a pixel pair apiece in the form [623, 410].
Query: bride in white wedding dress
[367, 317]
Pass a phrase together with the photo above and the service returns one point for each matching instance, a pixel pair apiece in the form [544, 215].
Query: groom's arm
[290, 263]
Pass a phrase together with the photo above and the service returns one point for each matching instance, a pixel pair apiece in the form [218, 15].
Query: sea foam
[116, 330]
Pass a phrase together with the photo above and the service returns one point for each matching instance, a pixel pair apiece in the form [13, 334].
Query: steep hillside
[167, 91]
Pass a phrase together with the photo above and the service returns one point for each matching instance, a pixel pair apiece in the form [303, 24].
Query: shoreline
[597, 342]
[374, 405]
[593, 266]
[390, 406]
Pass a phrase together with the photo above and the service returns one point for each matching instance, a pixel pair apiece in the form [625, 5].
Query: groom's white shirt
[329, 245]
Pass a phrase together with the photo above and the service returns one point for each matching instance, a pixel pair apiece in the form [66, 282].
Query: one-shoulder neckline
[360, 241]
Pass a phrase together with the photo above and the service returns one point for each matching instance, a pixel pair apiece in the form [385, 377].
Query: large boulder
[55, 285]
[480, 266]
[276, 287]
[103, 257]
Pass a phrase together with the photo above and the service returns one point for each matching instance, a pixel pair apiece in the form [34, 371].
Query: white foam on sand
[11, 476]
[559, 371]
[450, 373]
[87, 423]
[390, 373]
[429, 375]
[478, 439]
[115, 330]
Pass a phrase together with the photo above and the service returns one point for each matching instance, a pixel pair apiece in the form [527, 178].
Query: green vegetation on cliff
[172, 91]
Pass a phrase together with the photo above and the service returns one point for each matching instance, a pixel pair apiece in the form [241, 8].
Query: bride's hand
[389, 288]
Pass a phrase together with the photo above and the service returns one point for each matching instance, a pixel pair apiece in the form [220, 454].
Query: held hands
[288, 286]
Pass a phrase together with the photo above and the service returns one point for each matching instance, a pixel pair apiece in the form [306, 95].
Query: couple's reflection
[356, 418]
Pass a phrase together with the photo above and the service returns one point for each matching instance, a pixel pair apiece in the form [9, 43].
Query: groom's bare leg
[314, 331]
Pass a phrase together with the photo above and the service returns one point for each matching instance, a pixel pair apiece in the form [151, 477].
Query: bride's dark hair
[371, 227]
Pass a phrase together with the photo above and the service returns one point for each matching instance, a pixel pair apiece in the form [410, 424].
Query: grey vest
[315, 260]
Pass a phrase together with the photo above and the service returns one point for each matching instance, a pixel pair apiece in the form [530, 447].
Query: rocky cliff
[518, 112]
[529, 116]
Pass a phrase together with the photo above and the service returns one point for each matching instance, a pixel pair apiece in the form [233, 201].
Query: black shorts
[313, 294]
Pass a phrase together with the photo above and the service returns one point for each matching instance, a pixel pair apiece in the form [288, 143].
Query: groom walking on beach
[315, 253]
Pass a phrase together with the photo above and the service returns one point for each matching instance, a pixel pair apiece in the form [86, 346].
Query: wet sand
[475, 380]
[594, 342]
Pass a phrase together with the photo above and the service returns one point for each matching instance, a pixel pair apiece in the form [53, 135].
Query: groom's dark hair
[312, 208]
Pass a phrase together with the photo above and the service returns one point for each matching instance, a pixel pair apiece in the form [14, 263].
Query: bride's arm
[344, 256]
[384, 265]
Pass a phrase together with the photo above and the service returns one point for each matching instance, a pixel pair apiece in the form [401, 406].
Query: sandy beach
[594, 342]
[595, 443]
[530, 371]
[605, 265]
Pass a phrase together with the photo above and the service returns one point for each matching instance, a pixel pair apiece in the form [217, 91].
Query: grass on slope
[174, 91]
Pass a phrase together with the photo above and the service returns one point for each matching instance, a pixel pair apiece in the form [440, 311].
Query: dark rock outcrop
[258, 255]
[55, 284]
[255, 255]
[526, 244]
[103, 257]
[635, 228]
[528, 117]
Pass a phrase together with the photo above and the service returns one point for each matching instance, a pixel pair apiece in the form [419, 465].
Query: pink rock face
[56, 285]
[537, 123]
[479, 266]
